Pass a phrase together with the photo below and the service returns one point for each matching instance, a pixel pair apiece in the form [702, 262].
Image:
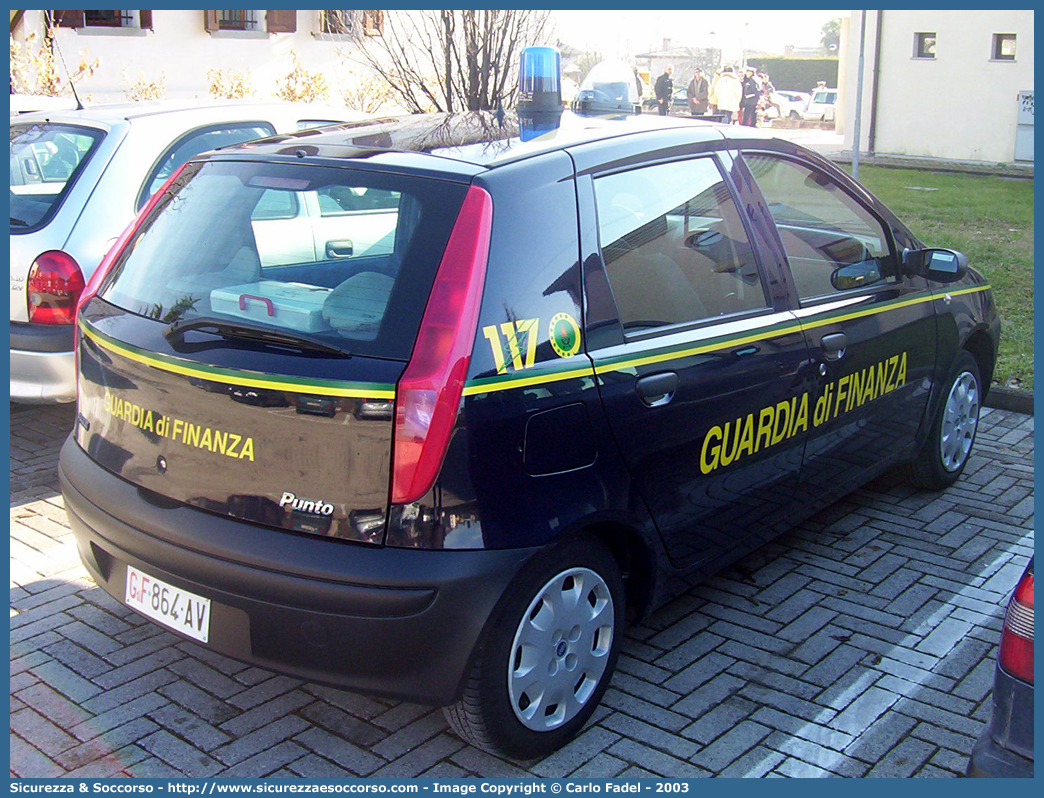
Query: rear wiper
[253, 332]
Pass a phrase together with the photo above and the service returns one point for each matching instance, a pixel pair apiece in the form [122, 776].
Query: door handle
[339, 249]
[834, 345]
[658, 389]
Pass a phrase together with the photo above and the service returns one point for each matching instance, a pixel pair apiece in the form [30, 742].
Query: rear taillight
[428, 394]
[1016, 648]
[53, 289]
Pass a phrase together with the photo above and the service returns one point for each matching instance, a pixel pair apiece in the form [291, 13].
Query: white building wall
[181, 51]
[961, 105]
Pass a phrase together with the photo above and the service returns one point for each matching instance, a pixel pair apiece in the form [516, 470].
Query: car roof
[116, 112]
[28, 103]
[481, 138]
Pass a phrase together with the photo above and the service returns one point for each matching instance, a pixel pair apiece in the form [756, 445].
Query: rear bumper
[43, 366]
[1005, 748]
[43, 377]
[393, 622]
[991, 761]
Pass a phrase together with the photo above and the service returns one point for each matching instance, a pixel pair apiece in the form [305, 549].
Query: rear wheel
[945, 453]
[548, 655]
[795, 115]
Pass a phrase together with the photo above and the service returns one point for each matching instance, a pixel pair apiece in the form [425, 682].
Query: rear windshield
[46, 159]
[346, 256]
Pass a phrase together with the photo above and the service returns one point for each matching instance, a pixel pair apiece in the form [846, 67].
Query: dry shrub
[229, 84]
[300, 85]
[36, 69]
[144, 89]
[363, 89]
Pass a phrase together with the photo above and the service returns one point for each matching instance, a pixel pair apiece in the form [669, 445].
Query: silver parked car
[77, 178]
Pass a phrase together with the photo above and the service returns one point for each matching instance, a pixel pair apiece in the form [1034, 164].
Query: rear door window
[195, 142]
[674, 247]
[46, 160]
[251, 242]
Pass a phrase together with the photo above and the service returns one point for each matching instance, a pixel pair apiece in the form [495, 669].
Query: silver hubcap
[960, 418]
[561, 649]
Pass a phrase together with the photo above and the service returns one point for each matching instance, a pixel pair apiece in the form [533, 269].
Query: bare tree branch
[436, 60]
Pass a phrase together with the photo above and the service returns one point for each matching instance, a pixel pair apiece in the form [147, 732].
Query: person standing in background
[712, 98]
[698, 91]
[749, 101]
[665, 89]
[729, 93]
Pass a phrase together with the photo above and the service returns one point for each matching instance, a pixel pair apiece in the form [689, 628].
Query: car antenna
[54, 43]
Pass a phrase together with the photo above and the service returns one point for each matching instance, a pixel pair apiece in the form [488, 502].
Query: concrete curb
[1010, 399]
[937, 164]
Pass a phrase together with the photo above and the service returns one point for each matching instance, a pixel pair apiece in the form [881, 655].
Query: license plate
[171, 606]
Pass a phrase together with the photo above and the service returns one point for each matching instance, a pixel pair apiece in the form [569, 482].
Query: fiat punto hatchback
[438, 437]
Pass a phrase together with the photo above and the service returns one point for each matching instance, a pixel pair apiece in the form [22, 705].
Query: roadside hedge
[797, 74]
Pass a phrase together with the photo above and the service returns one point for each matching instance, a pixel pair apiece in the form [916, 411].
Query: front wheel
[548, 654]
[945, 453]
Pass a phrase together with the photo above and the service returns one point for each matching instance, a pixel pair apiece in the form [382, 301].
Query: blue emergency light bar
[539, 91]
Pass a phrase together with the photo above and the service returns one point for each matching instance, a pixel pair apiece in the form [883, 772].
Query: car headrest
[356, 307]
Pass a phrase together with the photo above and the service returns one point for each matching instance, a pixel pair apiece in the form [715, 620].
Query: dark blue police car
[421, 409]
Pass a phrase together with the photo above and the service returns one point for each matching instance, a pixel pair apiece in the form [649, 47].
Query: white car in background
[821, 106]
[788, 104]
[78, 177]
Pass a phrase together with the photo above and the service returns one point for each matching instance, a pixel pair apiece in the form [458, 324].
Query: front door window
[832, 242]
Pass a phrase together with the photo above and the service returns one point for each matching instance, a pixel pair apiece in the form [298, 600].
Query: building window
[252, 22]
[924, 45]
[346, 23]
[1004, 47]
[111, 19]
[237, 20]
[103, 19]
[373, 23]
[336, 22]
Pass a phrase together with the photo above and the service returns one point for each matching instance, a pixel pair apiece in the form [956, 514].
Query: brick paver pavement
[860, 644]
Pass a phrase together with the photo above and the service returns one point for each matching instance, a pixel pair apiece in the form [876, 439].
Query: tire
[548, 654]
[795, 115]
[945, 454]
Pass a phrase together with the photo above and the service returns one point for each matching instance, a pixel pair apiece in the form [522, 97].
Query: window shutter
[145, 20]
[210, 21]
[373, 23]
[282, 21]
[68, 19]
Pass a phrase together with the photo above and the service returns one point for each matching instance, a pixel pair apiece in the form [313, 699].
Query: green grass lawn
[989, 219]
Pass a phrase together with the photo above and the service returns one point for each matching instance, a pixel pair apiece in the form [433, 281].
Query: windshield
[333, 255]
[46, 159]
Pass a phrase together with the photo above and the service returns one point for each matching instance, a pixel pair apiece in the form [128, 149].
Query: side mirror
[855, 275]
[936, 264]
